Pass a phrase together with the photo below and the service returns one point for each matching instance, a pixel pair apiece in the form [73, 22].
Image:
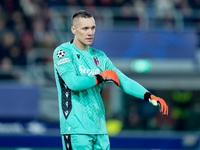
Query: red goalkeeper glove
[157, 101]
[107, 75]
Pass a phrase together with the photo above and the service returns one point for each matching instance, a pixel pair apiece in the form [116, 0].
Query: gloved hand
[107, 75]
[157, 101]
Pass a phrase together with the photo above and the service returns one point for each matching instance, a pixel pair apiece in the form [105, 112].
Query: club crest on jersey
[96, 60]
[60, 54]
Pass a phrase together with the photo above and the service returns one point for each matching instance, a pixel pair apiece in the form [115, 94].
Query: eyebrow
[89, 27]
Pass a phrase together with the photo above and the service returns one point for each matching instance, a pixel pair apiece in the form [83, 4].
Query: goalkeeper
[81, 72]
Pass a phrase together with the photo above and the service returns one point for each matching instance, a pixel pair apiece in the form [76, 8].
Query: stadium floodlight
[141, 65]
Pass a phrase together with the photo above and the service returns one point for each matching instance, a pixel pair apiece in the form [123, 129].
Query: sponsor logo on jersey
[96, 60]
[60, 53]
[90, 72]
[62, 61]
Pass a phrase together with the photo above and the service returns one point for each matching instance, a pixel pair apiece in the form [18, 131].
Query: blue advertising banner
[19, 101]
[135, 43]
[123, 143]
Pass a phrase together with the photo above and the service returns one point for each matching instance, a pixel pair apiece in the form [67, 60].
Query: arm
[133, 88]
[64, 66]
[78, 83]
[128, 85]
[66, 69]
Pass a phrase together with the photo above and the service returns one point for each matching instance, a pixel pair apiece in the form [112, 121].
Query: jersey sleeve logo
[60, 54]
[62, 61]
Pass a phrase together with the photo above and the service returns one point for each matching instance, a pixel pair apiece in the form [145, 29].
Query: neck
[80, 45]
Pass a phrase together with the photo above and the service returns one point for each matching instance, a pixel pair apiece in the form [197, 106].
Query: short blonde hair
[82, 14]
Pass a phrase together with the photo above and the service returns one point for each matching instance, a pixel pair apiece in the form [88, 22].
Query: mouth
[89, 39]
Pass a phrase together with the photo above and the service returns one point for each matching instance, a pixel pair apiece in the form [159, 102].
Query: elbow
[74, 87]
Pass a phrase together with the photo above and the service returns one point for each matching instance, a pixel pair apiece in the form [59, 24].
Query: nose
[90, 32]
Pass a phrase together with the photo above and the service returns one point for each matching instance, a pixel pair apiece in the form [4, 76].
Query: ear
[73, 30]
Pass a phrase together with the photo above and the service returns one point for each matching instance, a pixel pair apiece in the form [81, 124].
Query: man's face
[84, 30]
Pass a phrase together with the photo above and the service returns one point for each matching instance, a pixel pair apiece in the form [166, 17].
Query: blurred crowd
[26, 25]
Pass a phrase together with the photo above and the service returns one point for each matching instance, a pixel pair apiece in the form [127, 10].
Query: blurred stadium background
[155, 42]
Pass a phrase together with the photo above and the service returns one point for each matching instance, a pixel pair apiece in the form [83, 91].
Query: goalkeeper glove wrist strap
[147, 96]
[99, 79]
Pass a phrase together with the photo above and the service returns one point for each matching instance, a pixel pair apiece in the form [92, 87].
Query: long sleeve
[78, 83]
[64, 66]
[128, 85]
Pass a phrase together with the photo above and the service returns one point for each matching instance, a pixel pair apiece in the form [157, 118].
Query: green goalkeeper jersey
[81, 109]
